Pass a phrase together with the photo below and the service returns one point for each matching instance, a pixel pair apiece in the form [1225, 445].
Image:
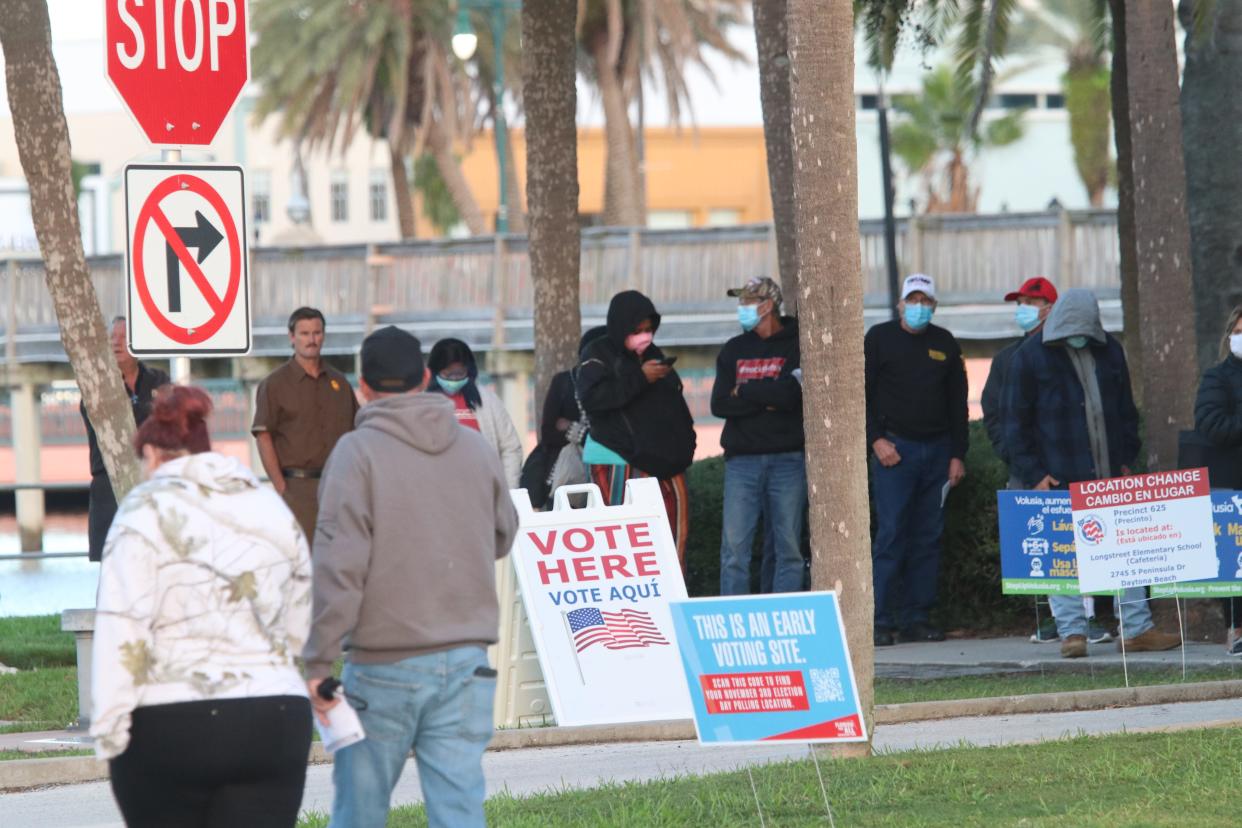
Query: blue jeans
[1071, 617]
[905, 555]
[773, 485]
[438, 706]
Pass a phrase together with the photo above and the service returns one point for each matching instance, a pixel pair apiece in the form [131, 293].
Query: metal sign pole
[180, 366]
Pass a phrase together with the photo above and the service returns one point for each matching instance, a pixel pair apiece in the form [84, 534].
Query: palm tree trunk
[1127, 242]
[43, 147]
[549, 49]
[1086, 90]
[403, 194]
[1212, 143]
[455, 180]
[621, 198]
[821, 41]
[1162, 229]
[772, 46]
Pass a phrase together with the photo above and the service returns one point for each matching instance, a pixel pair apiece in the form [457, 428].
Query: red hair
[177, 423]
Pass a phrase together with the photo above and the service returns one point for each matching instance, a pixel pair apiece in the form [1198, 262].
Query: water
[46, 587]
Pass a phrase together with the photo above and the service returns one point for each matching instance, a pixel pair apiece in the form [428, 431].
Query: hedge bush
[970, 593]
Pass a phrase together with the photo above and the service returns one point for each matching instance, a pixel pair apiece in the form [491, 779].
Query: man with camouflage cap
[758, 393]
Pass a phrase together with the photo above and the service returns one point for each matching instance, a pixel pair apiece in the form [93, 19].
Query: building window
[867, 101]
[1013, 100]
[1055, 101]
[261, 196]
[723, 217]
[340, 196]
[669, 219]
[377, 191]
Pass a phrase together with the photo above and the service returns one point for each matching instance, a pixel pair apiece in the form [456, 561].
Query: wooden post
[1066, 277]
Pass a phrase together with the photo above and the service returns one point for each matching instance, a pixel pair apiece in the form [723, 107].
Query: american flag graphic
[615, 630]
[1092, 529]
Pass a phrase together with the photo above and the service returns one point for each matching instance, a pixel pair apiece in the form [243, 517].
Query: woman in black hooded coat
[637, 411]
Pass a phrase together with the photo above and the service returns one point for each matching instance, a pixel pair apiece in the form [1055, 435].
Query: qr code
[827, 685]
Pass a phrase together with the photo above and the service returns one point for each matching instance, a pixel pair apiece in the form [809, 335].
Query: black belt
[302, 474]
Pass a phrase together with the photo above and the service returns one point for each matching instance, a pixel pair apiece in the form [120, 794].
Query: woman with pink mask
[640, 425]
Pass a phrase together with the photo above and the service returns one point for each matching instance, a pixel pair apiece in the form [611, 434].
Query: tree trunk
[1162, 229]
[455, 180]
[772, 45]
[1212, 144]
[1127, 244]
[513, 190]
[622, 206]
[43, 147]
[549, 73]
[821, 40]
[402, 193]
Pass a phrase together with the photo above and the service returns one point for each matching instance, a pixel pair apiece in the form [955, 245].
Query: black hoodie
[649, 424]
[766, 415]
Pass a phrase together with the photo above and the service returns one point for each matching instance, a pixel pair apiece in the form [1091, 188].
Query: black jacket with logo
[766, 415]
[916, 385]
[647, 423]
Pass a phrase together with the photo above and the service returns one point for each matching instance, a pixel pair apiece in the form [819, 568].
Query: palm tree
[42, 136]
[1162, 228]
[826, 208]
[551, 101]
[619, 40]
[933, 139]
[772, 47]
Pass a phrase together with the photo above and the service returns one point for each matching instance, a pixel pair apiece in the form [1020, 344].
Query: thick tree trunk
[1212, 143]
[455, 180]
[43, 147]
[1162, 229]
[821, 50]
[622, 204]
[403, 194]
[1127, 244]
[772, 44]
[549, 45]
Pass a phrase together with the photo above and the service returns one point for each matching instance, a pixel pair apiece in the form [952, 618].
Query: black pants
[99, 515]
[1233, 612]
[233, 763]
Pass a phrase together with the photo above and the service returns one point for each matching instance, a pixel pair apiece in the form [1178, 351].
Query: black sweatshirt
[766, 415]
[916, 385]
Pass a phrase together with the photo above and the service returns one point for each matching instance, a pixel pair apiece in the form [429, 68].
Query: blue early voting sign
[1038, 555]
[768, 668]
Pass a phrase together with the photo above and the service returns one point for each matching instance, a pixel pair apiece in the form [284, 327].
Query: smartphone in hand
[668, 360]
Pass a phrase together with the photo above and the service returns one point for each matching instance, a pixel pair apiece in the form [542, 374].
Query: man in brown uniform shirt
[301, 410]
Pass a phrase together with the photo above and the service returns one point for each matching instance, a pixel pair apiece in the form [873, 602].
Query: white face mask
[1235, 344]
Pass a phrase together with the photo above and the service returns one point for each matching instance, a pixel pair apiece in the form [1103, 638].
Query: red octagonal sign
[179, 65]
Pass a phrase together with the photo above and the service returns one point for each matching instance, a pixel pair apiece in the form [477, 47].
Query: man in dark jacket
[1034, 300]
[1069, 416]
[758, 395]
[140, 381]
[917, 430]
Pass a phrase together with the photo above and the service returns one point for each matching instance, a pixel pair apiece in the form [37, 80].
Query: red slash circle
[221, 306]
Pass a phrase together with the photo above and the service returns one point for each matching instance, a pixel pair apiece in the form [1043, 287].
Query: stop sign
[179, 65]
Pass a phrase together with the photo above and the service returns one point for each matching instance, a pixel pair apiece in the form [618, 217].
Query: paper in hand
[944, 492]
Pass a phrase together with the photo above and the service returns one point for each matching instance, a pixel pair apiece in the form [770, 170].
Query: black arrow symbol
[204, 236]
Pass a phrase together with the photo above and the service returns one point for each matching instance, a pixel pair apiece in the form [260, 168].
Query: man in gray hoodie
[414, 511]
[1069, 416]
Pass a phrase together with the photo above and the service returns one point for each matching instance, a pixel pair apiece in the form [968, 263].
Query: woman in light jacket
[1218, 417]
[204, 601]
[455, 373]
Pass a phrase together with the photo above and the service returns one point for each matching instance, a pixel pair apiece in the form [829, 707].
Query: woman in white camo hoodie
[204, 601]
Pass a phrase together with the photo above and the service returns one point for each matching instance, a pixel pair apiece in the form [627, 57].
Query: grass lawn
[1178, 779]
[7, 755]
[901, 691]
[35, 641]
[43, 699]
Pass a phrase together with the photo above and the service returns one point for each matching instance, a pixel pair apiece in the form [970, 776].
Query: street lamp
[465, 42]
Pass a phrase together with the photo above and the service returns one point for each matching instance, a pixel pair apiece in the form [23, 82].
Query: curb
[22, 774]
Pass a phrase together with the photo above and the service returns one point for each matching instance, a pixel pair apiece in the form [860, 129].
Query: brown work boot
[1074, 646]
[1151, 641]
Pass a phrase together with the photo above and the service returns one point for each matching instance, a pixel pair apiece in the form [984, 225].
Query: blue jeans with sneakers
[440, 706]
[1071, 616]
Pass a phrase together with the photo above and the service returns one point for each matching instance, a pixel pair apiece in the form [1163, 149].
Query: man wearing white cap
[917, 430]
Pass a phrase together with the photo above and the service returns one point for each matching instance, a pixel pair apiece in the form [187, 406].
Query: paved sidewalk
[535, 770]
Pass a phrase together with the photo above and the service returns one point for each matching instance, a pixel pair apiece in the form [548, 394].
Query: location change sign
[188, 284]
[179, 65]
[769, 668]
[1143, 529]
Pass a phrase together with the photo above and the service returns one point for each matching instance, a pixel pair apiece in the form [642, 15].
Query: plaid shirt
[1044, 413]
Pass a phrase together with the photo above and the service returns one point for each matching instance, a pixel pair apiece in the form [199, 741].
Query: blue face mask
[452, 386]
[1027, 317]
[1076, 342]
[918, 316]
[748, 317]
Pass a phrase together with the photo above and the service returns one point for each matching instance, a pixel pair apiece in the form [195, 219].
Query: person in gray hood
[1069, 416]
[414, 511]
